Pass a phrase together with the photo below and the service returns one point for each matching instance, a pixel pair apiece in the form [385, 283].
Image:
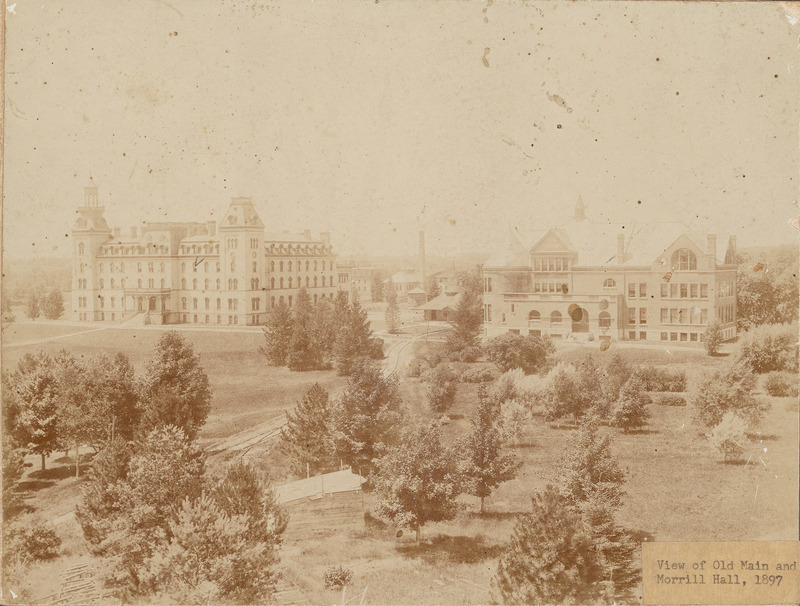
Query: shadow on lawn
[640, 432]
[459, 549]
[769, 437]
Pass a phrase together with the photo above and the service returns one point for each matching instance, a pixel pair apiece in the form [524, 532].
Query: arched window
[219, 283]
[307, 281]
[163, 283]
[206, 283]
[604, 319]
[183, 266]
[81, 248]
[281, 265]
[281, 282]
[101, 268]
[272, 265]
[183, 302]
[194, 284]
[233, 265]
[290, 281]
[315, 266]
[609, 283]
[235, 284]
[323, 265]
[534, 316]
[272, 283]
[315, 281]
[555, 318]
[684, 259]
[139, 283]
[194, 303]
[205, 266]
[290, 300]
[217, 265]
[306, 265]
[290, 266]
[255, 267]
[183, 283]
[323, 279]
[101, 284]
[139, 267]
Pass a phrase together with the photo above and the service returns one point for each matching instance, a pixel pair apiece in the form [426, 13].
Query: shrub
[31, 539]
[630, 411]
[729, 437]
[661, 379]
[780, 385]
[337, 577]
[713, 338]
[769, 347]
[512, 350]
[513, 418]
[481, 373]
[465, 354]
[727, 388]
[442, 390]
[669, 399]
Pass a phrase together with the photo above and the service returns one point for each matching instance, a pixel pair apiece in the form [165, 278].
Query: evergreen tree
[392, 313]
[615, 372]
[468, 316]
[433, 289]
[306, 438]
[33, 390]
[176, 390]
[589, 469]
[113, 381]
[630, 410]
[323, 329]
[53, 305]
[482, 464]
[13, 468]
[33, 308]
[277, 335]
[365, 417]
[354, 339]
[304, 354]
[376, 285]
[550, 558]
[418, 481]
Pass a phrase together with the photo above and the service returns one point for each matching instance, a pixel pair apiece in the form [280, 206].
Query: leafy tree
[468, 315]
[418, 481]
[563, 396]
[434, 290]
[630, 411]
[33, 389]
[442, 388]
[53, 305]
[13, 468]
[113, 381]
[766, 287]
[483, 465]
[713, 338]
[589, 470]
[277, 335]
[513, 417]
[306, 438]
[551, 557]
[510, 350]
[770, 347]
[176, 390]
[392, 314]
[33, 308]
[365, 417]
[304, 354]
[29, 538]
[353, 340]
[729, 436]
[615, 371]
[727, 388]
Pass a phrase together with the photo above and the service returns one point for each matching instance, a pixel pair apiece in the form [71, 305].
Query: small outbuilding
[325, 502]
[416, 297]
[441, 308]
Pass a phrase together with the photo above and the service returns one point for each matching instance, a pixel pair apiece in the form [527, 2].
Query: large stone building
[227, 273]
[653, 282]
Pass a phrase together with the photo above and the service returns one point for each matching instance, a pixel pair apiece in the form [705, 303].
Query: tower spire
[580, 209]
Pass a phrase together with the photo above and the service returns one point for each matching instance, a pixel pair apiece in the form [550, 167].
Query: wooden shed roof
[328, 483]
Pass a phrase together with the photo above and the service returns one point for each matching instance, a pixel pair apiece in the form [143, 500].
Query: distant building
[640, 282]
[230, 273]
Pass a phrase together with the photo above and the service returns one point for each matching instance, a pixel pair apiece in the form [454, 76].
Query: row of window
[309, 283]
[693, 315]
[556, 317]
[552, 264]
[682, 336]
[298, 266]
[632, 290]
[487, 284]
[726, 314]
[550, 287]
[684, 291]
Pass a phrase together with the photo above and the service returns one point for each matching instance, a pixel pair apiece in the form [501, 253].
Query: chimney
[421, 260]
[325, 236]
[133, 232]
[711, 247]
[211, 228]
[620, 248]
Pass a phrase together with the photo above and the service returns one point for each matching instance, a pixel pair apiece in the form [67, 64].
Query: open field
[677, 489]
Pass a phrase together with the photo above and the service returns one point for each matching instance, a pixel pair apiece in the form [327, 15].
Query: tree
[53, 305]
[33, 389]
[376, 285]
[513, 417]
[589, 470]
[434, 290]
[304, 354]
[33, 308]
[729, 436]
[442, 388]
[176, 390]
[323, 328]
[510, 350]
[13, 468]
[766, 287]
[727, 388]
[5, 307]
[113, 381]
[392, 314]
[563, 396]
[365, 417]
[768, 348]
[418, 481]
[353, 340]
[482, 464]
[550, 558]
[713, 338]
[630, 411]
[277, 335]
[468, 316]
[615, 371]
[306, 438]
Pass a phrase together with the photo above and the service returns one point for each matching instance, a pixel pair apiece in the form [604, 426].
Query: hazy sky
[373, 119]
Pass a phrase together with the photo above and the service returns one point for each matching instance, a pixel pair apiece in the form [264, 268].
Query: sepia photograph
[400, 302]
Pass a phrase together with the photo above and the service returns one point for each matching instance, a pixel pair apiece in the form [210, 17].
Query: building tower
[88, 233]
[580, 210]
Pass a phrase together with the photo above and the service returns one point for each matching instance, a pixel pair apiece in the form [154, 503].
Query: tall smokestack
[421, 260]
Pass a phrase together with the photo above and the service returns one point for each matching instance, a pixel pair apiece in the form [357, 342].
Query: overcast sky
[375, 119]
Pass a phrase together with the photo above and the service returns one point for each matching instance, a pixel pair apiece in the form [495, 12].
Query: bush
[630, 410]
[727, 388]
[780, 385]
[514, 416]
[769, 347]
[669, 399]
[442, 390]
[729, 437]
[337, 577]
[31, 539]
[512, 350]
[465, 354]
[713, 338]
[661, 379]
[482, 373]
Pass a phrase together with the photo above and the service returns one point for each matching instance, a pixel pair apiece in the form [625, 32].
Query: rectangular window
[693, 336]
[643, 336]
[673, 291]
[684, 291]
[642, 315]
[490, 284]
[631, 335]
[684, 336]
[682, 316]
[631, 290]
[693, 291]
[537, 264]
[631, 315]
[664, 315]
[643, 290]
[704, 316]
[663, 336]
[704, 291]
[673, 336]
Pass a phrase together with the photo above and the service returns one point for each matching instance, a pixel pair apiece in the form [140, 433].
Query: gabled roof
[442, 302]
[328, 483]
